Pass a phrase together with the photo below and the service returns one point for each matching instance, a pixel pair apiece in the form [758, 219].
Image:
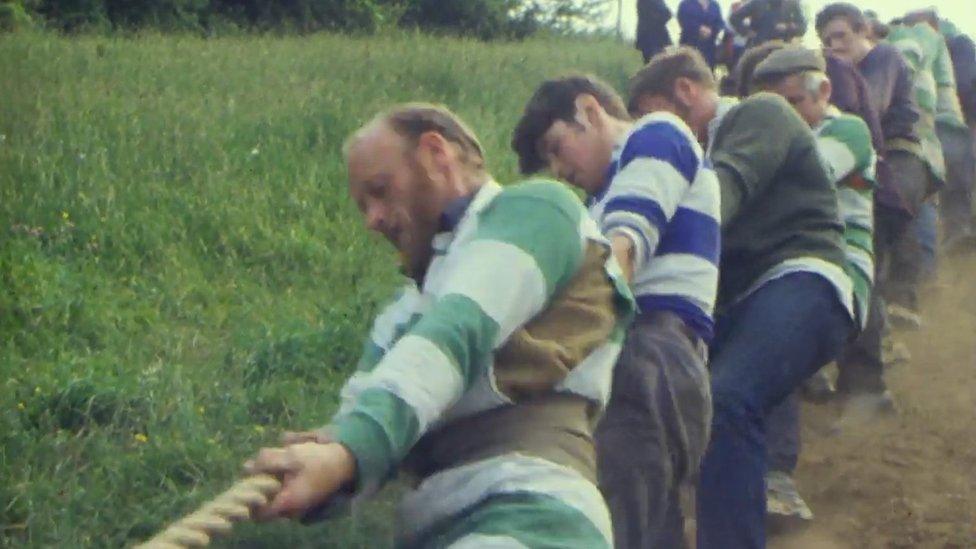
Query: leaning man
[486, 375]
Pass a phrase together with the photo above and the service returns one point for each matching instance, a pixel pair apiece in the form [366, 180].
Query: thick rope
[217, 516]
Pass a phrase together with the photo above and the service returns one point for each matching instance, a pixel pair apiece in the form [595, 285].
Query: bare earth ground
[907, 481]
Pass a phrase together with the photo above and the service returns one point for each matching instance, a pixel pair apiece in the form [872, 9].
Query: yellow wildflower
[20, 406]
[141, 438]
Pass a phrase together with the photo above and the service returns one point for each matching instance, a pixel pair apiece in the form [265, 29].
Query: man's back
[778, 204]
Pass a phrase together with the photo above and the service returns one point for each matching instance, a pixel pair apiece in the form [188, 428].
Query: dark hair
[661, 73]
[555, 100]
[878, 28]
[747, 64]
[843, 10]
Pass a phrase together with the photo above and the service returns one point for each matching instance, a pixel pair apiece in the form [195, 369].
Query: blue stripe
[644, 207]
[696, 319]
[691, 232]
[663, 141]
[645, 243]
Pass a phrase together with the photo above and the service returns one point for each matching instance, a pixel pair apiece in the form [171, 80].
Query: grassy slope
[181, 273]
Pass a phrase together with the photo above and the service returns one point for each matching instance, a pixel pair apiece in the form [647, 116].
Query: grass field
[181, 273]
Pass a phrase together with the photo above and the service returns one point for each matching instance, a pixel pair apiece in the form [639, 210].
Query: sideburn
[423, 208]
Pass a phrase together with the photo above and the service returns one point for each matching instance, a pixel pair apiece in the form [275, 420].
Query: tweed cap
[790, 60]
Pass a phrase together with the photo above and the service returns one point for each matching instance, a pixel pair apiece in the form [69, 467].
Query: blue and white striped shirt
[662, 195]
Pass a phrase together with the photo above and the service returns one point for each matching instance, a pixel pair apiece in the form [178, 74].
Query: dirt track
[907, 481]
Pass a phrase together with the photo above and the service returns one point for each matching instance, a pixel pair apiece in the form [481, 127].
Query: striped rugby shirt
[438, 353]
[844, 142]
[927, 55]
[661, 194]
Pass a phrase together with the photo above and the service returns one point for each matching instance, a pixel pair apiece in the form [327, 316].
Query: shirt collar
[454, 212]
[725, 104]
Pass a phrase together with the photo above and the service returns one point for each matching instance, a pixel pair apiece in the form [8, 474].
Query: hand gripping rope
[217, 516]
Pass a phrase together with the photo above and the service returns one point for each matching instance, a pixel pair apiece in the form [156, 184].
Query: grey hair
[812, 80]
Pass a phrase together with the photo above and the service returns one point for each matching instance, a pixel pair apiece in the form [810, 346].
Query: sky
[960, 12]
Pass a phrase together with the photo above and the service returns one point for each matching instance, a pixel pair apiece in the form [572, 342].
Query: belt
[554, 427]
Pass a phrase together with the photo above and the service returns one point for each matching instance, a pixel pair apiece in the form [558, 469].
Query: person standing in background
[902, 180]
[701, 22]
[765, 20]
[927, 55]
[652, 30]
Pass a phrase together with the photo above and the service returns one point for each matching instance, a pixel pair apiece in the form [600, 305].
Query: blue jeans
[765, 346]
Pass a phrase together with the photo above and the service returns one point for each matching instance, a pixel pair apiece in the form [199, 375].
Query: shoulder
[849, 123]
[849, 129]
[666, 137]
[659, 126]
[764, 107]
[543, 195]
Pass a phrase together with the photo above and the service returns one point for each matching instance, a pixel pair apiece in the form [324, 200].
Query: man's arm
[527, 246]
[899, 121]
[752, 144]
[658, 165]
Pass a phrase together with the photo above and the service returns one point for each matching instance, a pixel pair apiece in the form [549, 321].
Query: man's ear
[684, 91]
[589, 113]
[826, 89]
[434, 154]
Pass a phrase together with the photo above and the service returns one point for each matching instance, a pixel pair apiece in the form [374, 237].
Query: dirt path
[907, 481]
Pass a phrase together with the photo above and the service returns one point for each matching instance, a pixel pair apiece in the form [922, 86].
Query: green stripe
[374, 351]
[535, 520]
[854, 134]
[458, 326]
[542, 218]
[859, 237]
[379, 432]
[862, 292]
[371, 356]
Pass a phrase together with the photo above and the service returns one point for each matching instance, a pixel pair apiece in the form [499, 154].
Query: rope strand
[216, 517]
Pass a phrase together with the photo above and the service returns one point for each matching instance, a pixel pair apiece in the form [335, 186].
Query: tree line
[484, 19]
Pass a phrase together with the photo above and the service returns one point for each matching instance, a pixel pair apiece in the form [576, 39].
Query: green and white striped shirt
[844, 143]
[927, 55]
[431, 357]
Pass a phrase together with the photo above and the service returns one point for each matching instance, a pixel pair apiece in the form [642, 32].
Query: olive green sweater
[778, 203]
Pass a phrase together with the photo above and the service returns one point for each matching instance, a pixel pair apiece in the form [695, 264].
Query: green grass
[182, 275]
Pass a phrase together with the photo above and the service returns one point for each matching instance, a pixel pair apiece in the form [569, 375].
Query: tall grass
[182, 275]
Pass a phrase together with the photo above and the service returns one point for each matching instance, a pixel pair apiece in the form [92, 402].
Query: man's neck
[616, 130]
[701, 129]
[865, 49]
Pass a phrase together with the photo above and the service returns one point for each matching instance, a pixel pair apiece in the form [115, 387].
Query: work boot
[784, 506]
[904, 318]
[862, 408]
[894, 352]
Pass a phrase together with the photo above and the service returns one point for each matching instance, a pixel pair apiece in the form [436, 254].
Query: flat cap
[790, 60]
